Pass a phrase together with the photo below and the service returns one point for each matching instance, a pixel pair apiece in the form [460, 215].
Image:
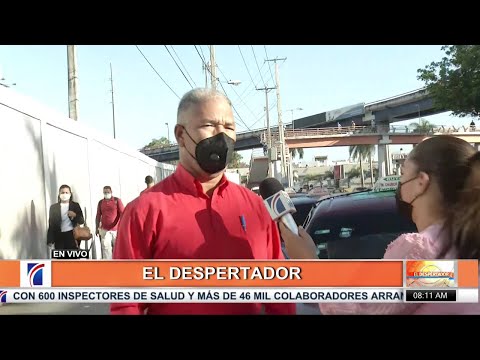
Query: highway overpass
[383, 112]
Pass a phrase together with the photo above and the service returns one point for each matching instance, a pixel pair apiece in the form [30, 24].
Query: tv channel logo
[430, 273]
[3, 296]
[35, 273]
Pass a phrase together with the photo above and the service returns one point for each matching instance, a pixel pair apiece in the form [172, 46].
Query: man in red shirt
[109, 211]
[196, 213]
[149, 181]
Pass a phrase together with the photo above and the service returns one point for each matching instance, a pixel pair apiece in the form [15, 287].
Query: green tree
[454, 81]
[423, 126]
[328, 175]
[352, 174]
[158, 143]
[236, 160]
[310, 177]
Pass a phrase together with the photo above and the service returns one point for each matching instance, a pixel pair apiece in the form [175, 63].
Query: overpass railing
[173, 147]
[370, 130]
[332, 131]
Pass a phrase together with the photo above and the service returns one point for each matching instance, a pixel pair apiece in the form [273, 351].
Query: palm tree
[352, 174]
[362, 152]
[423, 126]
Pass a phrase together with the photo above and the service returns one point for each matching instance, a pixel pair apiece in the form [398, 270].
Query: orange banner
[467, 273]
[9, 273]
[218, 273]
[227, 273]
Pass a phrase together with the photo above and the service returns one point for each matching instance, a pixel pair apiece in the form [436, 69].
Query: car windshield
[360, 235]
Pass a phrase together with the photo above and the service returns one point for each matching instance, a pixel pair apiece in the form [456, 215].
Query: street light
[292, 110]
[234, 82]
[168, 133]
[5, 85]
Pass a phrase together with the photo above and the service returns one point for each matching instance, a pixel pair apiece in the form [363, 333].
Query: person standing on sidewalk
[109, 210]
[63, 217]
[149, 182]
[197, 213]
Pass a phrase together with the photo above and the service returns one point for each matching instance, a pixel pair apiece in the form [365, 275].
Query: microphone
[278, 203]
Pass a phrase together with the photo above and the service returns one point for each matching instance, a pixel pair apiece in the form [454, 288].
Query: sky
[316, 78]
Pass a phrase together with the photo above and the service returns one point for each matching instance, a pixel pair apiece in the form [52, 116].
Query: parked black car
[303, 205]
[356, 225]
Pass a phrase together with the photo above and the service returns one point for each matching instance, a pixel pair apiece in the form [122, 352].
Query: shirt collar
[188, 182]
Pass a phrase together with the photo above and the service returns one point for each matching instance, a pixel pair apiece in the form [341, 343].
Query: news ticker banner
[238, 281]
[235, 295]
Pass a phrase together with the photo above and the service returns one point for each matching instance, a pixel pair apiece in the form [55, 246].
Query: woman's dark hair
[69, 189]
[454, 165]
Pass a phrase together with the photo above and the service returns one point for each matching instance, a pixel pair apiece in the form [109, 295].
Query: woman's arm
[411, 246]
[78, 219]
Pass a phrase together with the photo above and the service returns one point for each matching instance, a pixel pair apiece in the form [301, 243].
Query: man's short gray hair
[198, 96]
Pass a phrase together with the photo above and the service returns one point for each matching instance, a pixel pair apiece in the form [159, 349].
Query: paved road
[55, 309]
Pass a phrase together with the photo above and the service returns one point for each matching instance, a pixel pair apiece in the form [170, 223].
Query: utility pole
[281, 130]
[213, 68]
[269, 133]
[205, 68]
[113, 102]
[72, 82]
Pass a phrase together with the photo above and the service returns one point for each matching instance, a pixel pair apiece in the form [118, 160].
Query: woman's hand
[298, 247]
[71, 215]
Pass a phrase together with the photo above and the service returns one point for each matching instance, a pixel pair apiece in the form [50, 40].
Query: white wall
[40, 150]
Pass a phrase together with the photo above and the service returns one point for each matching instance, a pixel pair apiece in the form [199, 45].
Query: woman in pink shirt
[440, 191]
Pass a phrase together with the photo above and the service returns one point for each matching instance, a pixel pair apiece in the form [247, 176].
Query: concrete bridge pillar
[384, 158]
[368, 118]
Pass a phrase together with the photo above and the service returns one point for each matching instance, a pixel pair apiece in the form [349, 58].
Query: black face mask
[213, 153]
[403, 207]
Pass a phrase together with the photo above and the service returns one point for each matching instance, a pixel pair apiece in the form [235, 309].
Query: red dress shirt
[175, 219]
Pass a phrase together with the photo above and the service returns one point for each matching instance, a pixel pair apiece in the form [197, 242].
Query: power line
[179, 68]
[235, 91]
[251, 78]
[178, 57]
[204, 62]
[258, 67]
[233, 106]
[149, 63]
[253, 90]
[269, 68]
[201, 50]
[264, 113]
[247, 92]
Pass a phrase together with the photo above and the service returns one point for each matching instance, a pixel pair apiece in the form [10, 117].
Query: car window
[302, 212]
[362, 235]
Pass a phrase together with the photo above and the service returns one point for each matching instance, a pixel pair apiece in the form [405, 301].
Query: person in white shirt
[63, 217]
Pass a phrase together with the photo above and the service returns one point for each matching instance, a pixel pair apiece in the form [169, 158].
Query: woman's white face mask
[65, 197]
